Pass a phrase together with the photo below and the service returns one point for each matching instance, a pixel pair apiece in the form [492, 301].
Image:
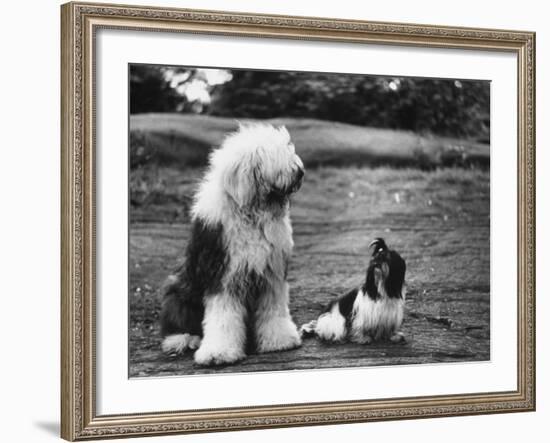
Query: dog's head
[259, 166]
[385, 273]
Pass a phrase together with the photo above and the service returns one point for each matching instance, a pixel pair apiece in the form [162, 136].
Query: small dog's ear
[396, 277]
[370, 284]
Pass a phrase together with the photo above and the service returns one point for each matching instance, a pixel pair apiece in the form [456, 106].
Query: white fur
[371, 320]
[228, 180]
[331, 326]
[257, 237]
[374, 319]
[224, 331]
[275, 330]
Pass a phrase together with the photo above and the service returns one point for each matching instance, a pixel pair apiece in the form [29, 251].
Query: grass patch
[186, 140]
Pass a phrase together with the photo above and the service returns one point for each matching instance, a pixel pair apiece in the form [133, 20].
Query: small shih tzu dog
[231, 296]
[371, 312]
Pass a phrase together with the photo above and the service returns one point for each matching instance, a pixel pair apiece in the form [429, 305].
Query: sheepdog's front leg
[275, 330]
[360, 337]
[224, 331]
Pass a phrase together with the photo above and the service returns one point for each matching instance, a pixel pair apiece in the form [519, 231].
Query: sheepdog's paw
[216, 356]
[278, 335]
[179, 343]
[308, 330]
[361, 339]
[398, 337]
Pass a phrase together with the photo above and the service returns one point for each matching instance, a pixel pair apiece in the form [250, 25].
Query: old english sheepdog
[231, 296]
[371, 312]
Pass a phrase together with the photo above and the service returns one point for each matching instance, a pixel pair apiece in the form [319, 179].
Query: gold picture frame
[80, 21]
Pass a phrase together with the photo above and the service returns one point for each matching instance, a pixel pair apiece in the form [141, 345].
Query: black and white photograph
[284, 220]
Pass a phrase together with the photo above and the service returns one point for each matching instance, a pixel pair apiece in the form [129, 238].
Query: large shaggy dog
[373, 311]
[231, 295]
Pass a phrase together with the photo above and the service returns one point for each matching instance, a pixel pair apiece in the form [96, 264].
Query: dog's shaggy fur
[374, 311]
[231, 295]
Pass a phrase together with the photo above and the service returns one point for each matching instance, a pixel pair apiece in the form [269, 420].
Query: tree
[447, 107]
[151, 91]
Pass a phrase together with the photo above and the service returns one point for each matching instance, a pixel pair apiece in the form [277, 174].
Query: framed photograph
[282, 221]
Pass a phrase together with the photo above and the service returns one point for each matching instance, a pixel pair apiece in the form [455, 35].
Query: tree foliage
[440, 106]
[448, 107]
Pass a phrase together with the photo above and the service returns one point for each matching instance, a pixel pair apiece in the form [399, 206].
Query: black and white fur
[231, 296]
[371, 312]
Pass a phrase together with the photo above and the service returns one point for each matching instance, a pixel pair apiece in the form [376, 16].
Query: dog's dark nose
[297, 181]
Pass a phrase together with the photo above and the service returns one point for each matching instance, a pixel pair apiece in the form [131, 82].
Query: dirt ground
[438, 221]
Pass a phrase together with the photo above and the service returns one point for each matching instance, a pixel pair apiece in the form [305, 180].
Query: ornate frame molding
[79, 420]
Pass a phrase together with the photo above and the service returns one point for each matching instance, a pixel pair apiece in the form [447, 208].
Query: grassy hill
[185, 140]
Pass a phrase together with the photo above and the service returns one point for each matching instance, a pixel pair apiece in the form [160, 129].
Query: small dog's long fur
[374, 311]
[231, 295]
